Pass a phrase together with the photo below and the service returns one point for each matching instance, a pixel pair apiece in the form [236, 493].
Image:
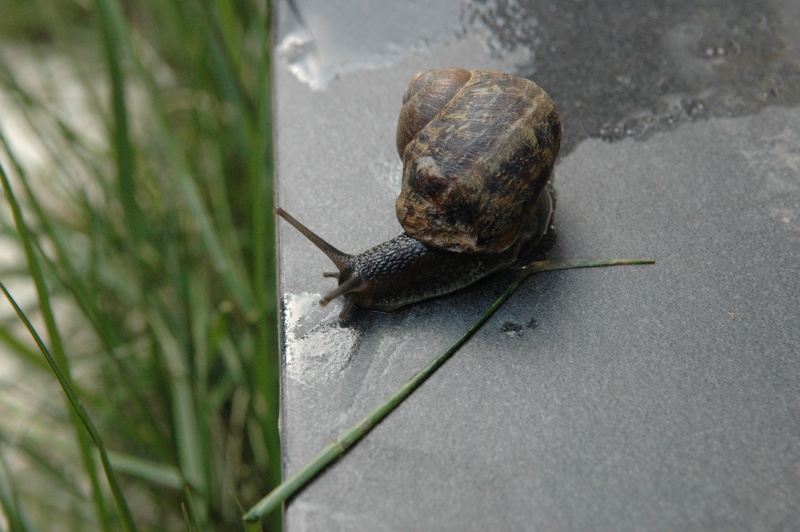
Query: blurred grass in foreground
[139, 151]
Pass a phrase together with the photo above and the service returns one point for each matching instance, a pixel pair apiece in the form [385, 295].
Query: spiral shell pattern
[478, 147]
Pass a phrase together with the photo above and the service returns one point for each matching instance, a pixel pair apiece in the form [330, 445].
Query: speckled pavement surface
[660, 397]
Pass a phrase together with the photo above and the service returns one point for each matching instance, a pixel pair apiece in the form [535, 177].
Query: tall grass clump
[136, 236]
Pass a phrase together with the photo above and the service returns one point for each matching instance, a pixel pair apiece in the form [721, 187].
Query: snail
[478, 149]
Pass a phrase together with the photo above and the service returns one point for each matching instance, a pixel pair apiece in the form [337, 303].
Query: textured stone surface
[651, 397]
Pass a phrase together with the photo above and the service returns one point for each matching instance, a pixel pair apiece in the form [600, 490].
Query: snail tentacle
[340, 259]
[354, 284]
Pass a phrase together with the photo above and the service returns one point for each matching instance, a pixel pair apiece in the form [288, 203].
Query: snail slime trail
[478, 149]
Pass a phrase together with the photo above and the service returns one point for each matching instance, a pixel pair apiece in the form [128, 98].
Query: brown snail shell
[478, 148]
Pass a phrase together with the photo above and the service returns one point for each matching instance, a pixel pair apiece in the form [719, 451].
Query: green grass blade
[62, 268]
[155, 473]
[224, 64]
[111, 29]
[186, 519]
[188, 438]
[77, 408]
[347, 439]
[224, 259]
[37, 452]
[9, 500]
[266, 372]
[148, 200]
[14, 345]
[46, 308]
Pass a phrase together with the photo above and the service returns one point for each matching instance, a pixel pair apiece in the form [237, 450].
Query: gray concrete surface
[658, 397]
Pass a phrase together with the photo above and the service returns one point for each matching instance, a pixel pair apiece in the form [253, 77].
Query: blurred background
[136, 233]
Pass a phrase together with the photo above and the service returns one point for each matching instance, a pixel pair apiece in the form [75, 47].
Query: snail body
[478, 148]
